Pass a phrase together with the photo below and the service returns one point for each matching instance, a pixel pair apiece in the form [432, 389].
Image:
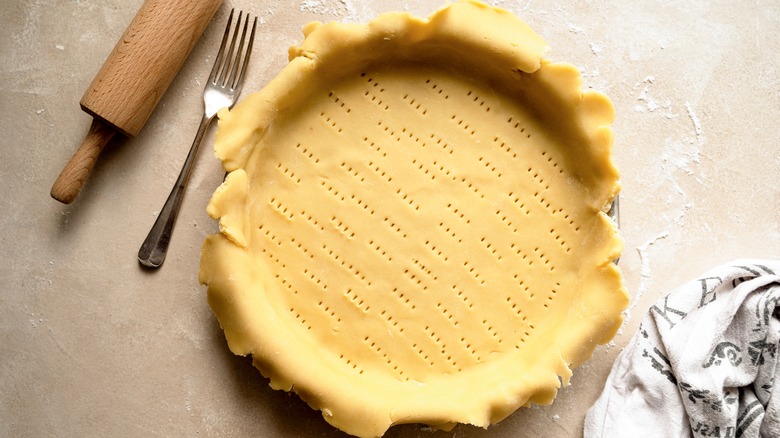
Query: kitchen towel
[703, 362]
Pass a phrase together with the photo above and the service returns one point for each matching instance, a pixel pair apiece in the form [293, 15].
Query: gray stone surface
[93, 345]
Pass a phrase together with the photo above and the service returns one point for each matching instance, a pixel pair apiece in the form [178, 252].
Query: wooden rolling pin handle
[72, 178]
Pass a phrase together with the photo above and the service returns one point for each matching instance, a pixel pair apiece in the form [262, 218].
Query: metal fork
[222, 90]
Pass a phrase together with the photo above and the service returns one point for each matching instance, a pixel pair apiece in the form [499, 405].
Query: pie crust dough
[413, 226]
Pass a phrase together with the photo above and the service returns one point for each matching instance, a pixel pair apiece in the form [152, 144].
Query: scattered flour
[644, 275]
[514, 5]
[592, 79]
[577, 30]
[679, 219]
[681, 155]
[649, 103]
[320, 7]
[644, 272]
[270, 10]
[676, 155]
[35, 322]
[694, 119]
[345, 10]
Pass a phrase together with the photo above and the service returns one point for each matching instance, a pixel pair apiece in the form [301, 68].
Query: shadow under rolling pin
[133, 79]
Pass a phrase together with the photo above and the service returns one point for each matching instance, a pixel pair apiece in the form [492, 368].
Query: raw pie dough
[412, 229]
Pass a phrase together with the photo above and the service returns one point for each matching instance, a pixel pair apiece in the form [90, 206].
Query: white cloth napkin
[703, 363]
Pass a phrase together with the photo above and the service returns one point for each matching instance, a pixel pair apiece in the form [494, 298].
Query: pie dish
[413, 226]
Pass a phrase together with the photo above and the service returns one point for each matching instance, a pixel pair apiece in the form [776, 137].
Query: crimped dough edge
[477, 34]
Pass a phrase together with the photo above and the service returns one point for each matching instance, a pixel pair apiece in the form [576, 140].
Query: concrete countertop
[93, 345]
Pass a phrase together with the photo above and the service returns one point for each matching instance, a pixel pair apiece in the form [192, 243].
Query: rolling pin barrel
[133, 79]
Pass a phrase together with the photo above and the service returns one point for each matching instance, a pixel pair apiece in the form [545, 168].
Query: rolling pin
[133, 79]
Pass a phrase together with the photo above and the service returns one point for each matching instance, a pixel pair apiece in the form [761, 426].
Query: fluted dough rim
[475, 33]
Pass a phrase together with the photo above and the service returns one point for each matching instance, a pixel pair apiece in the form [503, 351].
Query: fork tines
[229, 69]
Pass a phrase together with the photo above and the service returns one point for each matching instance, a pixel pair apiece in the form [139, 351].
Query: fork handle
[75, 173]
[155, 247]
